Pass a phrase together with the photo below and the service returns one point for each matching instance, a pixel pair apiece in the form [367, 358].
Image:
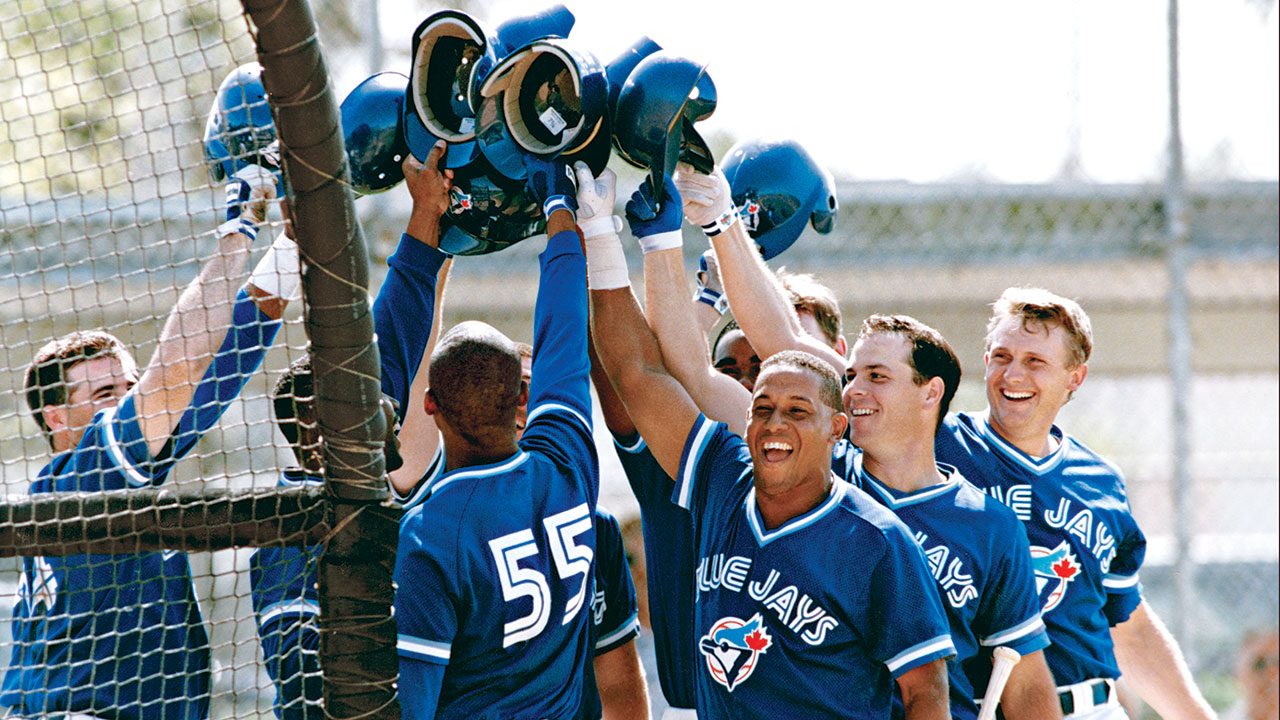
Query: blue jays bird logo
[1054, 569]
[749, 213]
[733, 647]
[459, 202]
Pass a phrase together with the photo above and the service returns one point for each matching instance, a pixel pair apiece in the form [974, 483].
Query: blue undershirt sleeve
[403, 312]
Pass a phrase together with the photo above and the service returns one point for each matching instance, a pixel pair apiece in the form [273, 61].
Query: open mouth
[861, 412]
[776, 450]
[1010, 395]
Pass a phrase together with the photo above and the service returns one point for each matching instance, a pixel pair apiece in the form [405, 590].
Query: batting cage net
[165, 563]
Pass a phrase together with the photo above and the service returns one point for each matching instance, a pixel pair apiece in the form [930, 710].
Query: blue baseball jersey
[402, 315]
[1086, 547]
[614, 617]
[830, 607]
[283, 585]
[669, 559]
[494, 568]
[979, 556]
[121, 635]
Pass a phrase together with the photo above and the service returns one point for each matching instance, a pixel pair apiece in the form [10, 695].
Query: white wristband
[606, 263]
[722, 223]
[242, 225]
[279, 272]
[603, 225]
[662, 241]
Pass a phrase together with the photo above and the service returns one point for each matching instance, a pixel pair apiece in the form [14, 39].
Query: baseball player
[120, 636]
[900, 380]
[283, 580]
[493, 568]
[998, 605]
[1085, 544]
[776, 587]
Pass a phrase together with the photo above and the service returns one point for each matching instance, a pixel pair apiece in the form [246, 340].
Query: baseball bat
[1005, 659]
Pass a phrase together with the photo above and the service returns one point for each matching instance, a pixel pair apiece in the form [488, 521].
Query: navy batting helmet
[488, 212]
[778, 187]
[240, 130]
[446, 47]
[545, 99]
[659, 103]
[514, 34]
[373, 131]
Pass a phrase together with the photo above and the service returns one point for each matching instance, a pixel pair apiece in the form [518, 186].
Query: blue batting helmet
[373, 131]
[514, 34]
[659, 103]
[778, 187]
[240, 130]
[488, 212]
[446, 47]
[546, 99]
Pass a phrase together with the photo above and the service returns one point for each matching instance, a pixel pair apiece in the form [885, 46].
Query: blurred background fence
[105, 211]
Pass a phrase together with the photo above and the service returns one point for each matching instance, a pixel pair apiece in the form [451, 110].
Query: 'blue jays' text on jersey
[829, 607]
[978, 554]
[494, 568]
[120, 635]
[286, 604]
[614, 618]
[669, 559]
[1086, 548]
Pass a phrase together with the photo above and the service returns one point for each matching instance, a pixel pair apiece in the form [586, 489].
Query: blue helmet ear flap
[823, 219]
[446, 49]
[657, 107]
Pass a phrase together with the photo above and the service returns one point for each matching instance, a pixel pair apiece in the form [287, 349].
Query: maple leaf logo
[757, 641]
[1065, 569]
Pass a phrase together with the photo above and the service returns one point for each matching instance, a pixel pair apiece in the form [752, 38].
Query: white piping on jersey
[633, 448]
[511, 464]
[305, 481]
[132, 474]
[919, 650]
[632, 624]
[291, 607]
[426, 483]
[1119, 582]
[764, 537]
[703, 428]
[419, 649]
[952, 482]
[546, 407]
[1030, 626]
[1038, 466]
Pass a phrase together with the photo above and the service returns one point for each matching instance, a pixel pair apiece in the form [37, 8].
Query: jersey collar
[1037, 466]
[764, 537]
[480, 471]
[895, 499]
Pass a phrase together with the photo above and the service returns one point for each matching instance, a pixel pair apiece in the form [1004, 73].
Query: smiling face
[1029, 378]
[884, 404]
[790, 432]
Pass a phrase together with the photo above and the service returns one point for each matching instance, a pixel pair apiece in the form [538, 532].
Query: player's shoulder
[606, 519]
[868, 520]
[1077, 454]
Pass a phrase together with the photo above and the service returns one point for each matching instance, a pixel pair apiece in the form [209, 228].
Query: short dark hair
[806, 294]
[828, 378]
[931, 355]
[46, 382]
[294, 400]
[475, 380]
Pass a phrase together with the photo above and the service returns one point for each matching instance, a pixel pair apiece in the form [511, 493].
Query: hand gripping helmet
[546, 99]
[659, 103]
[240, 130]
[777, 188]
[373, 131]
[488, 212]
[446, 47]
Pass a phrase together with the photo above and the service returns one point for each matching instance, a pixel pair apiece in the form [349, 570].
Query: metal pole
[1180, 372]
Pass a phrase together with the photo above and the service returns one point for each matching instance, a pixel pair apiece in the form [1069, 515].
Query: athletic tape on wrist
[241, 225]
[606, 262]
[713, 298]
[279, 272]
[603, 225]
[558, 202]
[722, 223]
[661, 241]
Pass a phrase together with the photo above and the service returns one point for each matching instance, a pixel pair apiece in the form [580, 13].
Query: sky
[929, 91]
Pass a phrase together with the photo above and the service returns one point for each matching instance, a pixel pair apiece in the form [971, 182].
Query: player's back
[510, 547]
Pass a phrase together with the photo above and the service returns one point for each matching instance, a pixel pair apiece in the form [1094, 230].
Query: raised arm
[1152, 664]
[420, 436]
[197, 326]
[672, 317]
[658, 405]
[758, 301]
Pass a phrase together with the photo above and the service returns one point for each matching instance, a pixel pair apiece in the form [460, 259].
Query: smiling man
[1086, 547]
[811, 600]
